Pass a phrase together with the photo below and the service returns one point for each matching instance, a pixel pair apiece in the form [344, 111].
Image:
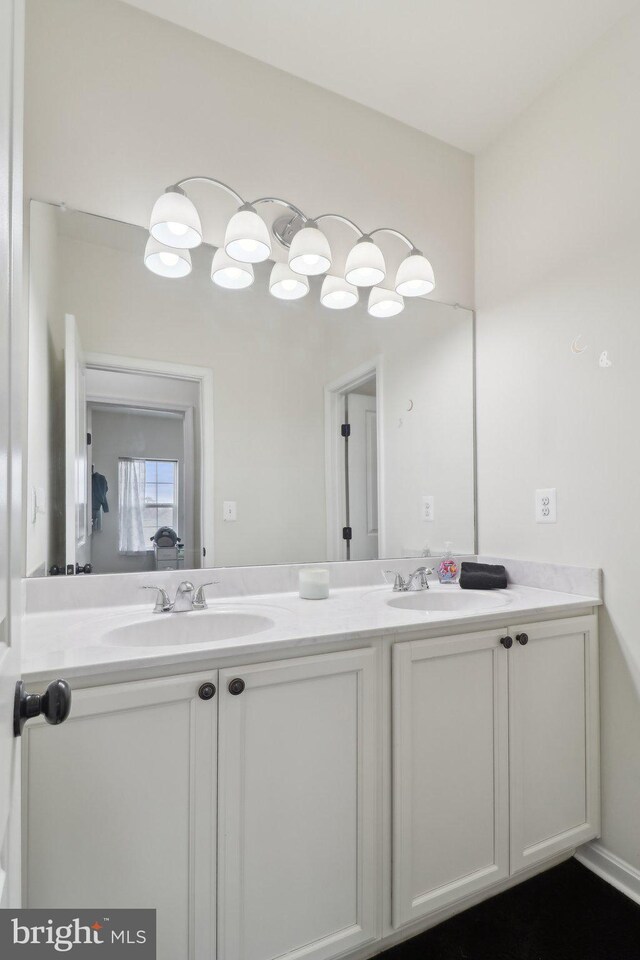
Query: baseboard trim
[611, 868]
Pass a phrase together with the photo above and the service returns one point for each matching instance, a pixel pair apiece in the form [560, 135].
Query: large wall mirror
[219, 414]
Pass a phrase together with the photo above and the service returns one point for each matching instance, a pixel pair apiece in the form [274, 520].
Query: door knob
[522, 638]
[236, 686]
[506, 642]
[54, 704]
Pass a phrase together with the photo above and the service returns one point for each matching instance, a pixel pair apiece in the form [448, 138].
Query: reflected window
[148, 498]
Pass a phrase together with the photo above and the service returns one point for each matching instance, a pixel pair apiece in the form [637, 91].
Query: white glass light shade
[337, 294]
[228, 273]
[310, 253]
[415, 276]
[247, 237]
[287, 285]
[175, 221]
[166, 261]
[385, 303]
[365, 264]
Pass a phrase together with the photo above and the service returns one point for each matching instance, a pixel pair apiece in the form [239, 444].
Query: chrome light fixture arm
[281, 203]
[396, 233]
[338, 216]
[218, 183]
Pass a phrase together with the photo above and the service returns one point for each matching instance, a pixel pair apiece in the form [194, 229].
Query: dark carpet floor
[566, 913]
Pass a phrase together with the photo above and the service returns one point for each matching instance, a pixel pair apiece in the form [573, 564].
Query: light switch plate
[546, 505]
[428, 509]
[229, 511]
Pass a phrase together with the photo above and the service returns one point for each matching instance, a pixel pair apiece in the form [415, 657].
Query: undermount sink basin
[176, 629]
[464, 601]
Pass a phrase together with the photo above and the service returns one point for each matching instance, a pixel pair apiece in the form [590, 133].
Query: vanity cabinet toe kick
[250, 804]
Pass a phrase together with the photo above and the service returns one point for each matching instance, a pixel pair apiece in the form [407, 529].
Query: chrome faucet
[183, 602]
[414, 582]
[187, 598]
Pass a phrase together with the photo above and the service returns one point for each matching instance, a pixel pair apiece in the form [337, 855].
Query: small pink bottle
[448, 567]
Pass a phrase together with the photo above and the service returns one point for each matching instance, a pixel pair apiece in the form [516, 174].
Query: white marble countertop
[93, 641]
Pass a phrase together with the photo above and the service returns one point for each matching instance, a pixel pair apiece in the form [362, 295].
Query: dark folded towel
[482, 576]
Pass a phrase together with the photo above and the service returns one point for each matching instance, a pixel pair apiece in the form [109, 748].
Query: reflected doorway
[139, 438]
[353, 471]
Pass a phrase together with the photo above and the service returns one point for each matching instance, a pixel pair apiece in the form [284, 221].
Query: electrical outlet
[428, 509]
[229, 511]
[546, 505]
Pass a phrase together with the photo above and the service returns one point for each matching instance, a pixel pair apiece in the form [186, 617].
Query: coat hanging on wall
[99, 502]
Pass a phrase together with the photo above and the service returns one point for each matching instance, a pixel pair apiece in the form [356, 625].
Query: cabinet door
[298, 780]
[553, 706]
[119, 808]
[450, 771]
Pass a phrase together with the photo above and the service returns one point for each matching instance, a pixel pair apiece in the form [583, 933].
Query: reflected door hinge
[345, 430]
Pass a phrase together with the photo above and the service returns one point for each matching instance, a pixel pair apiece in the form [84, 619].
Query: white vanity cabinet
[298, 779]
[495, 759]
[119, 807]
[122, 803]
[553, 739]
[315, 800]
[450, 771]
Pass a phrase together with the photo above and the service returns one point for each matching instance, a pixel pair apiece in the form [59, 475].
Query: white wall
[119, 104]
[558, 255]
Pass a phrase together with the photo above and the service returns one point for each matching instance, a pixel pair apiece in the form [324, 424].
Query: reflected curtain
[131, 477]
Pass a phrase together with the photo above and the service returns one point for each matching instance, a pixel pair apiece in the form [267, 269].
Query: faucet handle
[163, 603]
[199, 600]
[398, 580]
[424, 574]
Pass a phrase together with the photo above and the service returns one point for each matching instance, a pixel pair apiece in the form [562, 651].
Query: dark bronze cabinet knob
[54, 704]
[506, 642]
[236, 686]
[522, 638]
[207, 691]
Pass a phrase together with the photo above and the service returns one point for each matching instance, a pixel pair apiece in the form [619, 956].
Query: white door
[297, 815]
[11, 15]
[553, 740]
[363, 477]
[120, 807]
[450, 771]
[77, 505]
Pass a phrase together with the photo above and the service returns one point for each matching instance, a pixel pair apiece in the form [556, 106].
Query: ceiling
[459, 70]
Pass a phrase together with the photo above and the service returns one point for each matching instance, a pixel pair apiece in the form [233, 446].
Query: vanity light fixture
[175, 228]
[337, 294]
[365, 264]
[247, 237]
[287, 285]
[384, 303]
[229, 273]
[175, 221]
[415, 276]
[166, 261]
[310, 253]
